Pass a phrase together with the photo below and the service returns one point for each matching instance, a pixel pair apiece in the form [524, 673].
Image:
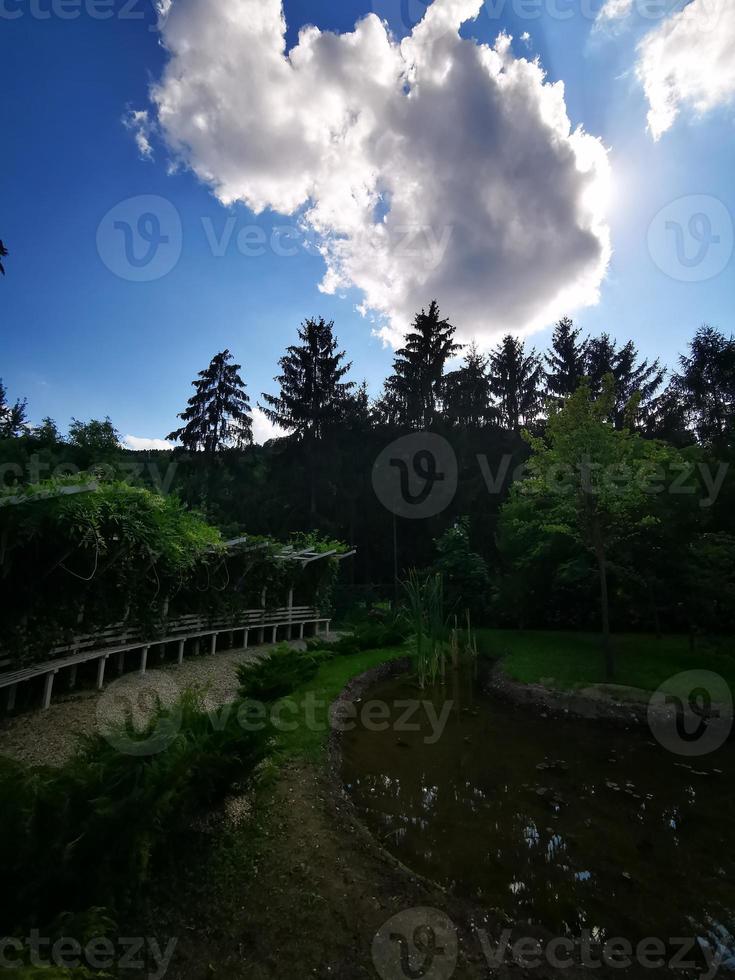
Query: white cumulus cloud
[434, 167]
[614, 10]
[263, 428]
[139, 123]
[688, 61]
[140, 443]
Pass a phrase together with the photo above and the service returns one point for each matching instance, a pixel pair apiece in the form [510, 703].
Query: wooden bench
[116, 641]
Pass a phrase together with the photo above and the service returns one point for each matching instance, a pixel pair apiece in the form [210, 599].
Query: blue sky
[78, 340]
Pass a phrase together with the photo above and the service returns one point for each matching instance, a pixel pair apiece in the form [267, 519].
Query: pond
[572, 826]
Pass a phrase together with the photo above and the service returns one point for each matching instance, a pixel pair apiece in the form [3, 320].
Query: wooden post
[143, 660]
[245, 639]
[12, 691]
[48, 686]
[181, 652]
[275, 634]
[73, 675]
[213, 644]
[301, 631]
[101, 663]
[329, 623]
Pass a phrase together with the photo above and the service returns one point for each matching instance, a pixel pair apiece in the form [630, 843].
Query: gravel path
[50, 737]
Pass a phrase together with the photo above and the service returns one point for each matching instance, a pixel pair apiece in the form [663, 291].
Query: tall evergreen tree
[515, 381]
[706, 385]
[566, 360]
[412, 394]
[632, 376]
[313, 395]
[13, 418]
[218, 415]
[357, 409]
[466, 392]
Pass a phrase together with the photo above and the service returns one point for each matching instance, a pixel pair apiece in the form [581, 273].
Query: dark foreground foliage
[92, 832]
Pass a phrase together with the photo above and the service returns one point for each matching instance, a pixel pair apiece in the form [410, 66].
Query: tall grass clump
[424, 602]
[89, 833]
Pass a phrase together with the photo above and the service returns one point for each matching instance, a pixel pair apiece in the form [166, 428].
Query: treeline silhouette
[318, 476]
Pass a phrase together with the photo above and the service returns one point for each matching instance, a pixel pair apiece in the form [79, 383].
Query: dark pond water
[568, 825]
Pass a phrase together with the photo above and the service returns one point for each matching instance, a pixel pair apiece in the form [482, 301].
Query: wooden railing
[118, 641]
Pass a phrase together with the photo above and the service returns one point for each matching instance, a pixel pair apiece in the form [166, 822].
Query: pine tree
[313, 395]
[515, 381]
[413, 392]
[706, 385]
[13, 418]
[218, 415]
[567, 360]
[466, 392]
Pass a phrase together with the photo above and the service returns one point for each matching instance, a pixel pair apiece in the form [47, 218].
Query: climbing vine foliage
[76, 557]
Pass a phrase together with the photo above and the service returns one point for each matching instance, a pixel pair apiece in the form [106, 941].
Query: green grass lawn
[308, 742]
[575, 660]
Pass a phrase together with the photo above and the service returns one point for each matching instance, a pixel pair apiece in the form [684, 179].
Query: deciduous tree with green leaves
[97, 435]
[589, 484]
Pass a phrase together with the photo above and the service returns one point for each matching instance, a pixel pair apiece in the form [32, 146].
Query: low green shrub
[276, 675]
[88, 833]
[366, 636]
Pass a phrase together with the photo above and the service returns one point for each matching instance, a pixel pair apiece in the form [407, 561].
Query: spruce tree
[515, 382]
[412, 394]
[466, 392]
[218, 413]
[567, 360]
[706, 385]
[632, 376]
[313, 395]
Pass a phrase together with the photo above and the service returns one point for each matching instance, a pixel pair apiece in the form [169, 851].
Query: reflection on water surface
[569, 825]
